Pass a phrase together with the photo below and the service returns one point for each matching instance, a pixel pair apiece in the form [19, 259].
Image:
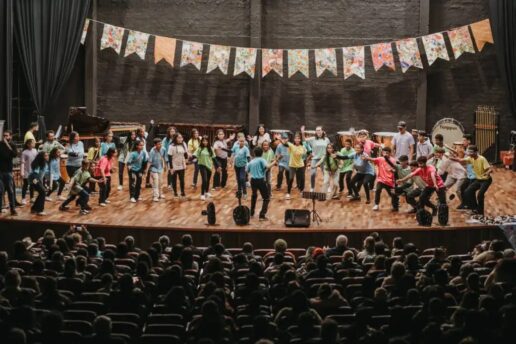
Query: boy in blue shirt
[257, 168]
[136, 165]
[157, 160]
[241, 156]
[283, 158]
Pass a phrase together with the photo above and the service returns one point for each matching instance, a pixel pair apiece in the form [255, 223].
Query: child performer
[283, 158]
[454, 171]
[93, 158]
[27, 157]
[433, 183]
[257, 168]
[206, 160]
[259, 137]
[108, 143]
[386, 178]
[168, 140]
[123, 155]
[268, 155]
[157, 163]
[403, 169]
[193, 146]
[318, 143]
[78, 188]
[364, 175]
[220, 146]
[103, 172]
[36, 177]
[418, 186]
[136, 165]
[56, 182]
[241, 156]
[75, 152]
[346, 169]
[331, 172]
[296, 164]
[177, 158]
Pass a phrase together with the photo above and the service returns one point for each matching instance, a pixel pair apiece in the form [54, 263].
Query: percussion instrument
[344, 135]
[384, 138]
[62, 168]
[486, 131]
[451, 130]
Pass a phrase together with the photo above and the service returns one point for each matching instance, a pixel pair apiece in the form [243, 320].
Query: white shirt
[402, 143]
[424, 149]
[453, 168]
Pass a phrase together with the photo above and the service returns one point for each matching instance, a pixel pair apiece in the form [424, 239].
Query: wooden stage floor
[185, 215]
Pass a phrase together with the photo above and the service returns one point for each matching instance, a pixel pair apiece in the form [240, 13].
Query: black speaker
[442, 214]
[424, 217]
[242, 215]
[297, 218]
[210, 213]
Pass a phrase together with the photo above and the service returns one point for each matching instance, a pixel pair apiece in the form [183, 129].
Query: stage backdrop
[129, 89]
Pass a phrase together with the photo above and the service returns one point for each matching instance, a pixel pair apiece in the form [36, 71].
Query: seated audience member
[280, 246]
[128, 298]
[328, 300]
[102, 327]
[495, 251]
[51, 298]
[322, 271]
[341, 245]
[14, 293]
[367, 252]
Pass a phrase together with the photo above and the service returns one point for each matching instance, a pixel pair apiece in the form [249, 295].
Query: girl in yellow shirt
[193, 145]
[296, 164]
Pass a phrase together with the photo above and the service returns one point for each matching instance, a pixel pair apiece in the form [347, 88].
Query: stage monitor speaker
[442, 214]
[424, 217]
[297, 218]
[241, 215]
[210, 213]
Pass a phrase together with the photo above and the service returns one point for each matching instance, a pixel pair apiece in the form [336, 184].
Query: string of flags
[382, 54]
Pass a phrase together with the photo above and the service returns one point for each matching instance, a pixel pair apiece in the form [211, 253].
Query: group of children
[436, 169]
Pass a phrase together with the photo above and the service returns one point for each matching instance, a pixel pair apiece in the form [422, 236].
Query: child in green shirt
[331, 172]
[206, 159]
[346, 169]
[268, 155]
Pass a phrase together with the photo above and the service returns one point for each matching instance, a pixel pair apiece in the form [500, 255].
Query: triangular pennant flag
[112, 37]
[191, 54]
[245, 61]
[298, 61]
[164, 48]
[460, 40]
[325, 59]
[219, 57]
[409, 55]
[382, 56]
[353, 62]
[435, 48]
[482, 33]
[85, 30]
[136, 43]
[272, 60]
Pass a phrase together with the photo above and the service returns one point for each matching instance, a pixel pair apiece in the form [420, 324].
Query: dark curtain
[48, 34]
[6, 60]
[503, 24]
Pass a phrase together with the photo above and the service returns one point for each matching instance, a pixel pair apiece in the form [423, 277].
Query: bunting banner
[272, 60]
[191, 54]
[325, 59]
[245, 61]
[353, 62]
[219, 58]
[482, 33]
[164, 49]
[435, 48]
[461, 42]
[298, 62]
[85, 30]
[112, 38]
[382, 56]
[136, 43]
[408, 53]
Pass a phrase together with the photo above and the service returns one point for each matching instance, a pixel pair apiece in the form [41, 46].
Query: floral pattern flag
[298, 61]
[461, 42]
[112, 37]
[85, 30]
[408, 53]
[382, 56]
[136, 43]
[245, 61]
[164, 49]
[272, 60]
[482, 33]
[435, 47]
[353, 62]
[325, 59]
[191, 54]
[219, 57]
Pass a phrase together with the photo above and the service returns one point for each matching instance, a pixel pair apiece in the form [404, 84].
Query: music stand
[315, 196]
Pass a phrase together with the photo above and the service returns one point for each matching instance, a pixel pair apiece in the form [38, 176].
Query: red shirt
[426, 175]
[104, 164]
[368, 146]
[385, 174]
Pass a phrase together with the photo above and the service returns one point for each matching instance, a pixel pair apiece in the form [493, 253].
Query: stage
[146, 220]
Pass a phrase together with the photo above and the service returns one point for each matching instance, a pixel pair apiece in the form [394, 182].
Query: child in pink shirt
[386, 178]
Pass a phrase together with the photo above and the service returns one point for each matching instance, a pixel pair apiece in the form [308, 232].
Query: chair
[69, 294]
[25, 265]
[94, 297]
[126, 261]
[159, 339]
[71, 337]
[125, 317]
[167, 318]
[378, 321]
[128, 328]
[73, 314]
[297, 252]
[97, 307]
[343, 319]
[171, 329]
[74, 285]
[80, 326]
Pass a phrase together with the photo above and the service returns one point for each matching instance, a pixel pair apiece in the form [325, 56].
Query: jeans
[27, 186]
[331, 180]
[6, 178]
[345, 176]
[84, 197]
[39, 204]
[313, 172]
[181, 175]
[463, 188]
[240, 174]
[121, 171]
[390, 190]
[220, 178]
[450, 181]
[299, 173]
[268, 181]
[156, 184]
[104, 189]
[196, 173]
[473, 199]
[261, 186]
[360, 179]
[57, 185]
[282, 170]
[424, 199]
[205, 178]
[412, 195]
[135, 186]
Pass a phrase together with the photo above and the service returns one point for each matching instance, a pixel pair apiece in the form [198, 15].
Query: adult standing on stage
[30, 134]
[318, 143]
[75, 152]
[8, 152]
[50, 143]
[403, 142]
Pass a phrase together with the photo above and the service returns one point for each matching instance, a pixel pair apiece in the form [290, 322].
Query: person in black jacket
[7, 153]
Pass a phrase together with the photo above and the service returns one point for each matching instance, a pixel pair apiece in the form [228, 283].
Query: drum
[344, 135]
[62, 168]
[276, 136]
[384, 138]
[451, 130]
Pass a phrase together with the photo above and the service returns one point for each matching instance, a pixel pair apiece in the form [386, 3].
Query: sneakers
[376, 207]
[203, 198]
[119, 188]
[64, 208]
[349, 196]
[262, 218]
[24, 201]
[48, 199]
[61, 198]
[140, 199]
[155, 199]
[41, 213]
[107, 201]
[84, 212]
[133, 200]
[335, 196]
[354, 198]
[312, 190]
[287, 196]
[102, 204]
